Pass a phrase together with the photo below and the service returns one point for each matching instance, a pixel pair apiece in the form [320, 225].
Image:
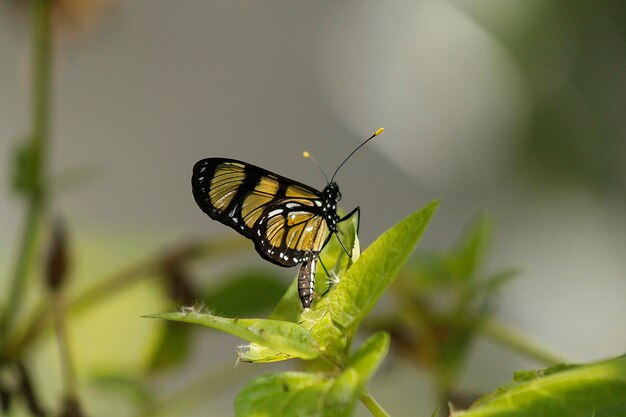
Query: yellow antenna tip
[379, 131]
[306, 154]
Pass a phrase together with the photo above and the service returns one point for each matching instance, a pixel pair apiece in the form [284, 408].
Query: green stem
[520, 342]
[67, 364]
[372, 405]
[41, 76]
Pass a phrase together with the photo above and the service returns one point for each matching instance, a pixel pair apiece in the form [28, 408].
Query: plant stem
[28, 393]
[69, 373]
[41, 76]
[372, 405]
[520, 342]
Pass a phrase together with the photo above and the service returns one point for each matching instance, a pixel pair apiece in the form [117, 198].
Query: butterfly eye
[338, 196]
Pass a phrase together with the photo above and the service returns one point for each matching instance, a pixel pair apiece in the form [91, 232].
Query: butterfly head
[331, 192]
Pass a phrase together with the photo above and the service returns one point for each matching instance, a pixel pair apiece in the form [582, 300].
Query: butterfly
[289, 222]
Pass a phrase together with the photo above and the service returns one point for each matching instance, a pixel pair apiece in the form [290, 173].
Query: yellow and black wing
[282, 217]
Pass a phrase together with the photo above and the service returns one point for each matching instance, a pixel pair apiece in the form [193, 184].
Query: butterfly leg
[357, 210]
[331, 278]
[343, 246]
[323, 266]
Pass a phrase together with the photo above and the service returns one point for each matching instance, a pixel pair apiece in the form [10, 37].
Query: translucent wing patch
[292, 237]
[254, 202]
[223, 187]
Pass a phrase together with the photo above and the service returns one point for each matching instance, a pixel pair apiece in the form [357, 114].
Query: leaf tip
[151, 316]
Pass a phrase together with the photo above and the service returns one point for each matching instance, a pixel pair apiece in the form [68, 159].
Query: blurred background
[514, 109]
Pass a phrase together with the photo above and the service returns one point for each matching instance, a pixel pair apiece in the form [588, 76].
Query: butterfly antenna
[378, 132]
[307, 155]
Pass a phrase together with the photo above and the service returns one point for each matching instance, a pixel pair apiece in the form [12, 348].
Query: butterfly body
[330, 196]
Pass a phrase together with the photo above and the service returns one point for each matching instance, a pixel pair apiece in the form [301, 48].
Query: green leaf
[287, 338]
[256, 353]
[469, 253]
[529, 375]
[335, 318]
[454, 267]
[344, 392]
[569, 391]
[245, 293]
[365, 282]
[287, 394]
[494, 282]
[338, 260]
[312, 394]
[368, 357]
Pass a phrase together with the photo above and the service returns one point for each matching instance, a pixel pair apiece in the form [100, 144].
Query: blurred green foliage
[572, 56]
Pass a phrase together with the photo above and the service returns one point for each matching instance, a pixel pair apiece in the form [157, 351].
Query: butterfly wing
[283, 217]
